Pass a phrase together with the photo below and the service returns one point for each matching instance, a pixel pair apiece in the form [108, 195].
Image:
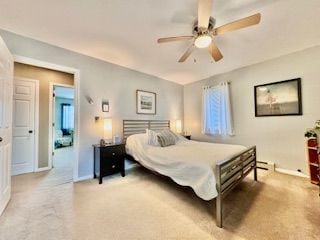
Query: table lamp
[107, 130]
[178, 126]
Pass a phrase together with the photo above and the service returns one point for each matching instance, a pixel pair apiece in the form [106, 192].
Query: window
[67, 117]
[216, 110]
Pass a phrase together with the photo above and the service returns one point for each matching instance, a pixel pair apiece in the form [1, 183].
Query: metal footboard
[229, 174]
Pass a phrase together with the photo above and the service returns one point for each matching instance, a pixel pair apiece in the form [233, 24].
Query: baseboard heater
[265, 166]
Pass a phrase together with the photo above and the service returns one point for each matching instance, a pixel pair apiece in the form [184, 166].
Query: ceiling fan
[204, 31]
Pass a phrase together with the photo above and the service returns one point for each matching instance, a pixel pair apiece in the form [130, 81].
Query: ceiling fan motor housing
[199, 31]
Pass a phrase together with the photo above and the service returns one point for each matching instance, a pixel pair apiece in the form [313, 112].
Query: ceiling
[64, 92]
[124, 32]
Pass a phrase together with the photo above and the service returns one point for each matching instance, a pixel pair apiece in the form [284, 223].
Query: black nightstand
[108, 159]
[187, 137]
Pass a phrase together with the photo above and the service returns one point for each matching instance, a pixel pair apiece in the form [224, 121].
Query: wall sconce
[107, 131]
[89, 100]
[178, 126]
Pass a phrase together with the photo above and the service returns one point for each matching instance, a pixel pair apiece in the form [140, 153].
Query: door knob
[1, 139]
[30, 131]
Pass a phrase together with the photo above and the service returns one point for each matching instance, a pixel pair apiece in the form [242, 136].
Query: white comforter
[188, 163]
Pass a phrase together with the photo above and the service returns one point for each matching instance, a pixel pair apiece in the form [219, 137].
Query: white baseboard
[291, 172]
[272, 166]
[42, 169]
[79, 179]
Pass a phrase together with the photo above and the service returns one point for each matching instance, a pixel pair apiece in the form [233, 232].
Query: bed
[211, 170]
[62, 140]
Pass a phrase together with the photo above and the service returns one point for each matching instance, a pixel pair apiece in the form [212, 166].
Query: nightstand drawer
[111, 152]
[112, 165]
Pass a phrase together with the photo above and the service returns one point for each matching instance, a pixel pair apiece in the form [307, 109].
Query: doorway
[47, 141]
[62, 131]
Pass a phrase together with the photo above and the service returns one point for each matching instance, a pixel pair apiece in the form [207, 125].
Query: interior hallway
[62, 162]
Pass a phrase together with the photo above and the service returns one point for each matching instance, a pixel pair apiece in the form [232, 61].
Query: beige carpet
[146, 206]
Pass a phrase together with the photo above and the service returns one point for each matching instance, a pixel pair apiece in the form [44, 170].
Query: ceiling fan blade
[172, 39]
[204, 13]
[215, 52]
[187, 53]
[242, 23]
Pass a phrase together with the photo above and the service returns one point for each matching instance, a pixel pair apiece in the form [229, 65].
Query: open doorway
[31, 129]
[63, 122]
[49, 76]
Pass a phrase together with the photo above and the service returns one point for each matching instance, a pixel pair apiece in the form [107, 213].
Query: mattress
[188, 163]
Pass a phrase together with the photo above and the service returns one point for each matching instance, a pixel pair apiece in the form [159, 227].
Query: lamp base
[106, 141]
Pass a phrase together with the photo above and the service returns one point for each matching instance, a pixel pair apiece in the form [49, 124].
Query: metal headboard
[131, 127]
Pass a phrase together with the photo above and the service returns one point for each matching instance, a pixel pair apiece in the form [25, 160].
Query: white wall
[102, 80]
[278, 139]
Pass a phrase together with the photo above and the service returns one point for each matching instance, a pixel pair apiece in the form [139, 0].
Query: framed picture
[105, 106]
[146, 102]
[278, 98]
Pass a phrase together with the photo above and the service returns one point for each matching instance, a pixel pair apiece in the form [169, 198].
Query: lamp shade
[178, 126]
[107, 129]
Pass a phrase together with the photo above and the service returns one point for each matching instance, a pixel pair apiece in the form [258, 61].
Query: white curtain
[216, 110]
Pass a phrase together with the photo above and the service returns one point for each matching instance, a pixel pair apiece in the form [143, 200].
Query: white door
[23, 125]
[6, 76]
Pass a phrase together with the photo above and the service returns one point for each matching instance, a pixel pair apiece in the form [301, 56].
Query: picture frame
[146, 102]
[281, 98]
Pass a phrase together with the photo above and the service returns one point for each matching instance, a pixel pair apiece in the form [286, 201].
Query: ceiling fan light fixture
[203, 41]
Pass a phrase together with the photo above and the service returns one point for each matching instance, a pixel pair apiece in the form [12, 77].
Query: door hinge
[53, 124]
[52, 153]
[53, 95]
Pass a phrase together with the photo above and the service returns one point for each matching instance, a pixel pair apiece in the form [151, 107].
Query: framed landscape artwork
[146, 102]
[278, 98]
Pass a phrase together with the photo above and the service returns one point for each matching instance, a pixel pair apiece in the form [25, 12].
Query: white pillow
[152, 137]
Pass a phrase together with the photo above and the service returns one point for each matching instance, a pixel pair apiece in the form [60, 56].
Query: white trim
[51, 117]
[62, 85]
[291, 172]
[83, 178]
[271, 166]
[37, 126]
[76, 74]
[50, 141]
[36, 120]
[42, 169]
[39, 63]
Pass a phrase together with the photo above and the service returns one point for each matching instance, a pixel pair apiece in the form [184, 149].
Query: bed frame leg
[219, 211]
[255, 174]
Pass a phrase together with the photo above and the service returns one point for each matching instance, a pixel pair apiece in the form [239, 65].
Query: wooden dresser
[314, 158]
